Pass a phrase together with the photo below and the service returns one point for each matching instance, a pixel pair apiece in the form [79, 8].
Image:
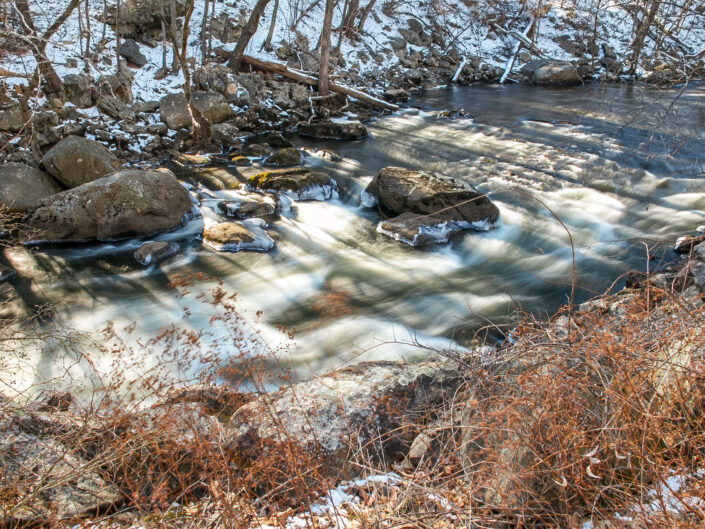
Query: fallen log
[285, 71]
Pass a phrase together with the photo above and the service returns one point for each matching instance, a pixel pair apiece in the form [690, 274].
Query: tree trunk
[199, 124]
[250, 28]
[323, 72]
[268, 41]
[53, 85]
[87, 59]
[117, 36]
[641, 32]
[363, 16]
[204, 32]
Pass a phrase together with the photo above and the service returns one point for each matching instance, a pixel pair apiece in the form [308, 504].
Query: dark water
[621, 167]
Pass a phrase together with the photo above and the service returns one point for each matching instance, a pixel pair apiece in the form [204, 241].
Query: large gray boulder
[544, 71]
[78, 88]
[130, 51]
[50, 481]
[333, 130]
[126, 204]
[75, 161]
[174, 112]
[427, 207]
[11, 119]
[366, 405]
[299, 184]
[22, 186]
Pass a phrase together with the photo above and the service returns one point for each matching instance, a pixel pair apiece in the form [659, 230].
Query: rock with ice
[297, 184]
[237, 236]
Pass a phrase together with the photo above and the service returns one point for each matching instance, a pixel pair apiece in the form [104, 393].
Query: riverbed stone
[259, 207]
[237, 236]
[293, 180]
[75, 161]
[333, 415]
[544, 71]
[440, 197]
[333, 130]
[126, 204]
[22, 186]
[286, 157]
[155, 252]
[174, 112]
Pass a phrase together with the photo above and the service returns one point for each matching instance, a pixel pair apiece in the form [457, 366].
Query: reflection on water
[617, 165]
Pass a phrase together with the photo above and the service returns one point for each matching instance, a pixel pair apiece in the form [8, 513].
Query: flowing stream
[621, 167]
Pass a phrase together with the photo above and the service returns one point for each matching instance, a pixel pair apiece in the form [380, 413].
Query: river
[620, 166]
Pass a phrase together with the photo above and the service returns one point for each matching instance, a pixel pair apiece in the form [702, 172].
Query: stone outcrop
[212, 105]
[22, 186]
[300, 184]
[427, 207]
[126, 204]
[75, 161]
[546, 71]
[333, 130]
[334, 414]
[155, 252]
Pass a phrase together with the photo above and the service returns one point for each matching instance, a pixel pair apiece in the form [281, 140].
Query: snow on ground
[469, 29]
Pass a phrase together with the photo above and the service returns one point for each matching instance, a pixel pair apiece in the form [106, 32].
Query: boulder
[118, 85]
[75, 161]
[544, 71]
[174, 112]
[22, 186]
[429, 207]
[335, 414]
[249, 207]
[225, 135]
[286, 157]
[299, 184]
[257, 150]
[116, 109]
[143, 14]
[125, 204]
[237, 236]
[11, 119]
[155, 252]
[54, 479]
[330, 130]
[78, 90]
[130, 51]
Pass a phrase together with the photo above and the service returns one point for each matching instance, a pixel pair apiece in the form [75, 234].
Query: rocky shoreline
[375, 414]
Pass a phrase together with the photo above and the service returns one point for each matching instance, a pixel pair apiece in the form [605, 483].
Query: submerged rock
[299, 184]
[334, 414]
[427, 207]
[333, 130]
[75, 161]
[155, 252]
[22, 186]
[237, 236]
[126, 204]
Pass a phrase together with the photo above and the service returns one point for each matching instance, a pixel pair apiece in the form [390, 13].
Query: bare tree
[250, 28]
[323, 73]
[38, 43]
[204, 31]
[268, 41]
[199, 124]
[364, 14]
[650, 12]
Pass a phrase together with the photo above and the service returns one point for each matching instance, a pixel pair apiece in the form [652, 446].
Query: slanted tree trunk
[250, 28]
[88, 55]
[323, 72]
[268, 41]
[53, 85]
[364, 14]
[199, 124]
[641, 32]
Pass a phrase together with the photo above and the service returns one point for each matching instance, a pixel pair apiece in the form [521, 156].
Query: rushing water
[616, 165]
